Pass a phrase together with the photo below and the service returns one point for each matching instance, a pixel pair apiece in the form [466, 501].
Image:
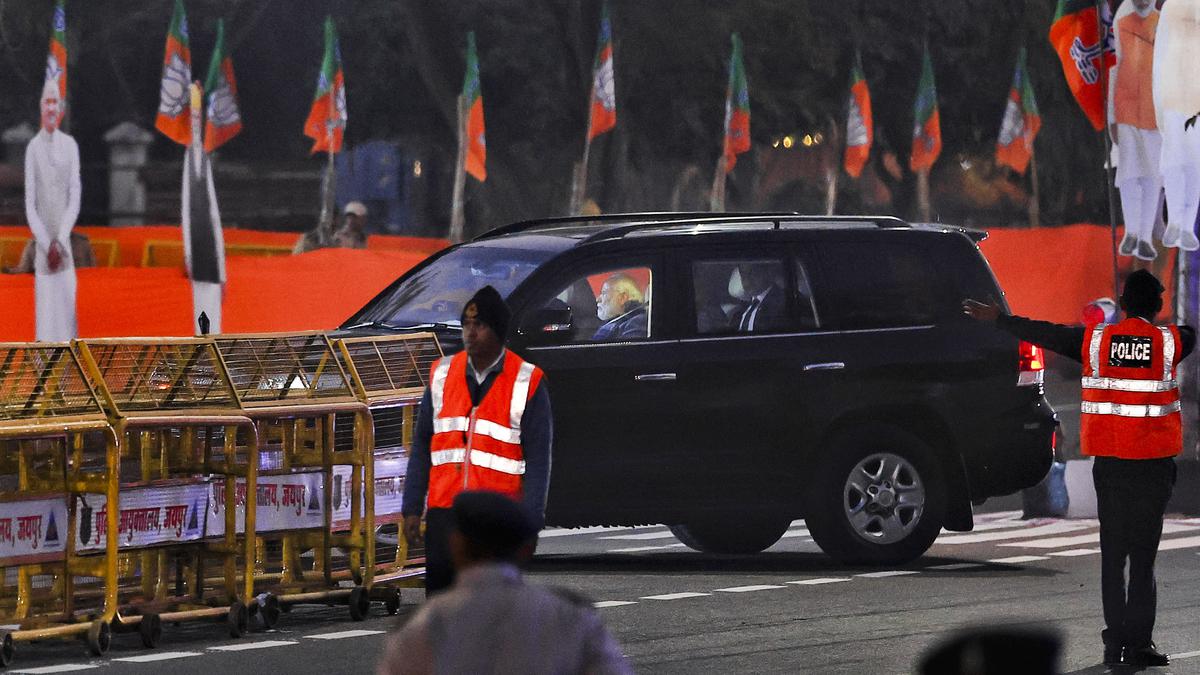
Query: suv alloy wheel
[879, 498]
[734, 535]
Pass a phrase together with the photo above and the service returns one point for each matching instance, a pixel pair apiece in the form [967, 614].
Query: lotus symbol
[856, 126]
[173, 99]
[603, 85]
[1014, 124]
[222, 107]
[54, 70]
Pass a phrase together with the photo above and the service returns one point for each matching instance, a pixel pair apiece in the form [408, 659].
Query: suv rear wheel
[879, 499]
[731, 536]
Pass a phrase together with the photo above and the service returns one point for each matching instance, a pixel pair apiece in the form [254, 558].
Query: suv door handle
[655, 377]
[832, 365]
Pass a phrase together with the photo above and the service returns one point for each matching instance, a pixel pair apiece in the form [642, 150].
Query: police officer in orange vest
[1130, 423]
[484, 424]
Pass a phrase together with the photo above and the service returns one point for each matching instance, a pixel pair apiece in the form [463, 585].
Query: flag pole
[831, 169]
[457, 217]
[717, 197]
[579, 189]
[1035, 209]
[1109, 172]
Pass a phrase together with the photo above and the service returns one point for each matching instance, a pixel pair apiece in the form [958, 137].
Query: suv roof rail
[647, 217]
[775, 219]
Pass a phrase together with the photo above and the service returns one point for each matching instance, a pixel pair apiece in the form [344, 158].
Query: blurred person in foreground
[491, 620]
[484, 424]
[1131, 423]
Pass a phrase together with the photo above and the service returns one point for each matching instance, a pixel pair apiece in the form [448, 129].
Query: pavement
[790, 609]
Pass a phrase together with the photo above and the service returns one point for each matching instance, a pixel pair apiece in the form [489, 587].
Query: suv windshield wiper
[391, 326]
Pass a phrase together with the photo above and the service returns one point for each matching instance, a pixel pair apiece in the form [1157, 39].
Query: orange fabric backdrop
[131, 241]
[316, 290]
[1048, 273]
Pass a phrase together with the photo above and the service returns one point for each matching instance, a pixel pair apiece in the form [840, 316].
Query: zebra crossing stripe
[612, 603]
[1018, 559]
[1075, 552]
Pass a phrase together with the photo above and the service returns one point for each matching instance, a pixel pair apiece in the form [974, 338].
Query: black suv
[726, 374]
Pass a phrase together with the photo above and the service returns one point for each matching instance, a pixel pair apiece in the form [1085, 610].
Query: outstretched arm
[1065, 340]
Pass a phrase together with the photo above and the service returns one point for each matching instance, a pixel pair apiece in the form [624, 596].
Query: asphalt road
[787, 610]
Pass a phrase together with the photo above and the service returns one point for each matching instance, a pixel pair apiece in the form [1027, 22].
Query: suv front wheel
[732, 536]
[879, 498]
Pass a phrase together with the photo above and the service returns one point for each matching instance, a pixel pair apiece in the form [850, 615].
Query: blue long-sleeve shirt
[537, 433]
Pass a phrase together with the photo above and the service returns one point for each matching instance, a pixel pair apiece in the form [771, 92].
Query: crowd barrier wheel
[360, 603]
[238, 619]
[392, 602]
[99, 638]
[268, 610]
[6, 648]
[150, 630]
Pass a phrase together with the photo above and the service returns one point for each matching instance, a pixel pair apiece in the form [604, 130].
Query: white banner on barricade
[389, 491]
[285, 502]
[33, 530]
[150, 515]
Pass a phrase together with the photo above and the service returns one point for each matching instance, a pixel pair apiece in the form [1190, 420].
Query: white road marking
[1183, 542]
[613, 603]
[1016, 559]
[674, 596]
[62, 668]
[1057, 542]
[994, 525]
[818, 581]
[998, 515]
[160, 656]
[343, 634]
[956, 566]
[794, 533]
[641, 537]
[264, 644]
[1075, 552]
[639, 549]
[1039, 531]
[1185, 655]
[572, 531]
[888, 573]
[747, 589]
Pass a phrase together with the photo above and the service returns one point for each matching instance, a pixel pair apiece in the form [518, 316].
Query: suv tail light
[1031, 364]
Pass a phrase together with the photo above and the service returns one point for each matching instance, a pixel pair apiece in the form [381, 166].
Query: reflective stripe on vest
[1128, 409]
[487, 460]
[437, 386]
[519, 398]
[1119, 384]
[1168, 352]
[482, 427]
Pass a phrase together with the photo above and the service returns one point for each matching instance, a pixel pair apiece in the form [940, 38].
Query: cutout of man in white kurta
[1176, 98]
[203, 242]
[51, 207]
[1134, 127]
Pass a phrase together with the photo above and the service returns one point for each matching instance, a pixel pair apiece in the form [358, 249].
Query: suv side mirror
[548, 326]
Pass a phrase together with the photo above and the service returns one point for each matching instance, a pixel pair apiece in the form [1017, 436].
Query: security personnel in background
[484, 424]
[1131, 425]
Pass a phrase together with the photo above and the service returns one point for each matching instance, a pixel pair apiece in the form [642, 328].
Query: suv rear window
[876, 284]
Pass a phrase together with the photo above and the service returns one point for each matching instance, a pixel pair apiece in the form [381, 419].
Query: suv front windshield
[436, 293]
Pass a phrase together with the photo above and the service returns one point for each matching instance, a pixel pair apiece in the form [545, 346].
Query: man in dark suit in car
[766, 306]
[622, 307]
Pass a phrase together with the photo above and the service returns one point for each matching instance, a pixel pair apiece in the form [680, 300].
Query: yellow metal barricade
[186, 452]
[389, 374]
[314, 517]
[56, 451]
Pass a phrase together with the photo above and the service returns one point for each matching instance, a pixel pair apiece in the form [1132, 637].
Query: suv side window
[746, 295]
[870, 284]
[608, 304]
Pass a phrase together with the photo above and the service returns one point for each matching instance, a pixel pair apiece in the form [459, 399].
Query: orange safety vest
[1130, 406]
[478, 448]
